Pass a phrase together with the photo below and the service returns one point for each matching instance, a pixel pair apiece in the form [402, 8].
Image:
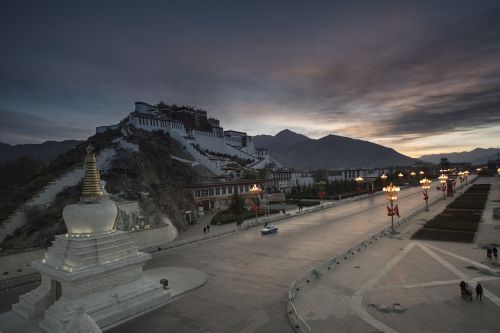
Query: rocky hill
[137, 166]
[45, 152]
[475, 156]
[329, 152]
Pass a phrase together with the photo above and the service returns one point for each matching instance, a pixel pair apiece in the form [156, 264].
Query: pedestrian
[479, 292]
[489, 251]
[208, 228]
[204, 230]
[495, 252]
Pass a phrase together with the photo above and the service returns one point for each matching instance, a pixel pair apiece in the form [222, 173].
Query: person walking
[495, 252]
[489, 251]
[204, 230]
[208, 229]
[479, 292]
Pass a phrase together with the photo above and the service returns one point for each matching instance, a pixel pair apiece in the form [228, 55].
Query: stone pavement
[401, 285]
[181, 280]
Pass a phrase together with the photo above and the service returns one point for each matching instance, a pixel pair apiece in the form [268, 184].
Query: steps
[42, 199]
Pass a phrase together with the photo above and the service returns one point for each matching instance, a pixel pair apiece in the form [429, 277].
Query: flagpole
[392, 218]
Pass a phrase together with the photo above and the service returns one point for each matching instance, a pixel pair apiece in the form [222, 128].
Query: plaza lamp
[466, 175]
[412, 176]
[442, 180]
[426, 184]
[383, 178]
[255, 192]
[421, 173]
[359, 180]
[461, 178]
[400, 176]
[391, 192]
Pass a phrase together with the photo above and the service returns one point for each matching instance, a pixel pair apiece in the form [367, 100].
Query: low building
[217, 195]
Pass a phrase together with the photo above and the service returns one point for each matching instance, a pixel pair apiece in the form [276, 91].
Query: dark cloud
[26, 128]
[360, 68]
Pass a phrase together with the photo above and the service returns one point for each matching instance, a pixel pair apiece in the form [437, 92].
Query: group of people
[206, 229]
[492, 252]
[467, 292]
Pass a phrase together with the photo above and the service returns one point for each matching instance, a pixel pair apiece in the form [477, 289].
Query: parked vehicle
[269, 229]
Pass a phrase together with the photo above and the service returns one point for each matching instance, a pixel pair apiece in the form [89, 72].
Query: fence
[20, 281]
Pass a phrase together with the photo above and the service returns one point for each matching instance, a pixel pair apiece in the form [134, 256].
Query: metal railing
[20, 281]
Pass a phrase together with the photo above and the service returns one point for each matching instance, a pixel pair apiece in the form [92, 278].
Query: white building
[193, 129]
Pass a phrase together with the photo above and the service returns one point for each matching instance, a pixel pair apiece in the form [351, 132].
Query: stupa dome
[95, 213]
[90, 218]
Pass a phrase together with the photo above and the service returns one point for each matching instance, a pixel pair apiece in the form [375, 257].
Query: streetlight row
[392, 190]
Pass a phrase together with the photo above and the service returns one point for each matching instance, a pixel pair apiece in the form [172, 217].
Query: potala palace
[202, 136]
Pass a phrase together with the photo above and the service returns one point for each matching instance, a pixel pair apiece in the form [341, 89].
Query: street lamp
[426, 184]
[391, 192]
[442, 179]
[383, 178]
[400, 176]
[255, 191]
[421, 173]
[412, 177]
[461, 178]
[359, 180]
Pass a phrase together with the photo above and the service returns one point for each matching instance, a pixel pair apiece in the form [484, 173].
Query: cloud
[17, 127]
[378, 71]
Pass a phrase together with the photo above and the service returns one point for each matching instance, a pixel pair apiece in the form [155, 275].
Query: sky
[421, 77]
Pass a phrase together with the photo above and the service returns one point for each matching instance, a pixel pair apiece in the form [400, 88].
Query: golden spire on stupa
[90, 187]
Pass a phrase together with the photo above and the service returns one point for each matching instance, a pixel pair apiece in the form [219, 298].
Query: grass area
[444, 235]
[227, 216]
[460, 220]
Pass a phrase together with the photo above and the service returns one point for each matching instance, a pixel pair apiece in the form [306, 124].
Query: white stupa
[92, 267]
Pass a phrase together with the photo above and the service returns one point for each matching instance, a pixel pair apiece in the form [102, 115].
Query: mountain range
[330, 152]
[476, 156]
[44, 152]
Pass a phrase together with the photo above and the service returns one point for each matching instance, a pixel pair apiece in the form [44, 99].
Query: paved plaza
[402, 285]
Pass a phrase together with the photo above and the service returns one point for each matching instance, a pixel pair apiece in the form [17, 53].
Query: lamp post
[426, 184]
[359, 180]
[412, 177]
[421, 173]
[383, 178]
[461, 178]
[400, 177]
[442, 179]
[391, 192]
[255, 191]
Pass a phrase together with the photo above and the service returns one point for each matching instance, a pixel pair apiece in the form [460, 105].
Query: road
[249, 274]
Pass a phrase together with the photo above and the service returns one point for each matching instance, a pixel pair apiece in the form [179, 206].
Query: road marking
[357, 298]
[435, 283]
[462, 275]
[451, 254]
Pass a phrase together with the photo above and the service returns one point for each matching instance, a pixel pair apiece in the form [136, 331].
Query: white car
[269, 229]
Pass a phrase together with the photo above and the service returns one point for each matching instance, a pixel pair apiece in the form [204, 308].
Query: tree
[237, 204]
